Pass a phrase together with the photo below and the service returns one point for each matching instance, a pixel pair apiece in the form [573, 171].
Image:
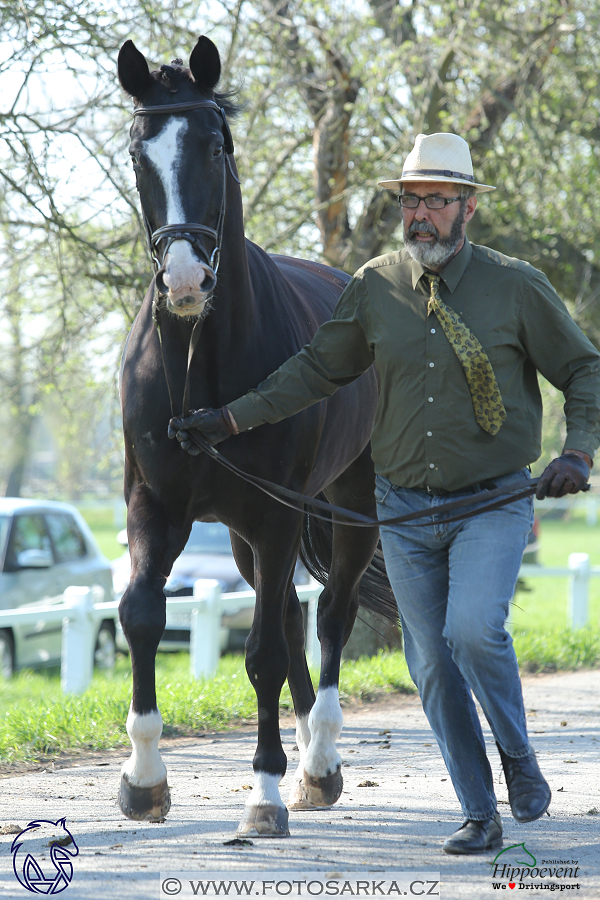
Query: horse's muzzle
[187, 300]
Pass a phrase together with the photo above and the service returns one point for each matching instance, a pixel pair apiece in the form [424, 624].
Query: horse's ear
[134, 73]
[205, 64]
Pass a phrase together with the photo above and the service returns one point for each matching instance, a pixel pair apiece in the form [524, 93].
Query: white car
[45, 547]
[207, 554]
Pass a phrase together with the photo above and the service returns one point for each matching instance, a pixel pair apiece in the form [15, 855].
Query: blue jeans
[453, 585]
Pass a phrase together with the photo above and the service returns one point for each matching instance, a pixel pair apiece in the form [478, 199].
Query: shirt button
[431, 365]
[431, 466]
[430, 399]
[429, 434]
[433, 330]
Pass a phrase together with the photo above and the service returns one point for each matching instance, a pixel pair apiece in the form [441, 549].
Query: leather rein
[492, 499]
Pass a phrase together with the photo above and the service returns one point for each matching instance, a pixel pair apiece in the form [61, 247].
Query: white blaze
[184, 273]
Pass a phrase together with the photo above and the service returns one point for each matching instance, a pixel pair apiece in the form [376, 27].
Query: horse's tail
[375, 591]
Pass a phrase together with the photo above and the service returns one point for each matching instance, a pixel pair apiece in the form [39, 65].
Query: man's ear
[471, 207]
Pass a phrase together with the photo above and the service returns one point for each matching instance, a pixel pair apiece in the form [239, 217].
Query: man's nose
[421, 210]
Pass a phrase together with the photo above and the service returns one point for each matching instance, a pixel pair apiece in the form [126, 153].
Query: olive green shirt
[425, 433]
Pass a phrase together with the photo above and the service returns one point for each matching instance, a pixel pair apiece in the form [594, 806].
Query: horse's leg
[303, 695]
[267, 663]
[144, 793]
[353, 550]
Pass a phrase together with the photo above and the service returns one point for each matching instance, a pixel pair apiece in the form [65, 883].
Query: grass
[102, 523]
[37, 721]
[545, 601]
[49, 722]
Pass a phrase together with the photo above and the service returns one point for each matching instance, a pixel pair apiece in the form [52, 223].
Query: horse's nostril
[208, 282]
[160, 284]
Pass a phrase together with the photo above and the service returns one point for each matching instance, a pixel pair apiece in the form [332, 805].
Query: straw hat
[438, 157]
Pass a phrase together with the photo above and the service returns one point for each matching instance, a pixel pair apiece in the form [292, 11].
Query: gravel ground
[396, 809]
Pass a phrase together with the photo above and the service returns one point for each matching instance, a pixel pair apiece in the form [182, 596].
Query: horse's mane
[173, 75]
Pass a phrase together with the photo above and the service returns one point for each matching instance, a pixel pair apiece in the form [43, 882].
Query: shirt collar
[452, 271]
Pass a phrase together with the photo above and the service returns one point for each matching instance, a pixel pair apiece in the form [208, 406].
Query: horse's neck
[234, 313]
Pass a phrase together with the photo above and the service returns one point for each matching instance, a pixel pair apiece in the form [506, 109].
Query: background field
[543, 605]
[38, 721]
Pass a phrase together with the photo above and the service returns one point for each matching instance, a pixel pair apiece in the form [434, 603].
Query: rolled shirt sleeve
[338, 354]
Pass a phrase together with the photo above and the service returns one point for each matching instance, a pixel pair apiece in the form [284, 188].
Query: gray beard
[438, 253]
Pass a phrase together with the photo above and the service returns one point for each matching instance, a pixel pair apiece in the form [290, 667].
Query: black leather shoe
[476, 836]
[528, 790]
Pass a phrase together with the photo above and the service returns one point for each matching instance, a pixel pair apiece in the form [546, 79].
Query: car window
[28, 533]
[208, 537]
[4, 524]
[66, 537]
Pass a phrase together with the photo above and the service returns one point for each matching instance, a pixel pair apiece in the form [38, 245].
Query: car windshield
[208, 537]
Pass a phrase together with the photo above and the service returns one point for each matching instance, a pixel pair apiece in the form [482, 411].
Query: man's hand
[568, 474]
[214, 424]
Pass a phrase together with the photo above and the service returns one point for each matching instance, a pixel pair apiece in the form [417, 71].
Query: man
[457, 332]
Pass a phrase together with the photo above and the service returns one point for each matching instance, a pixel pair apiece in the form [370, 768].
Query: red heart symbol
[512, 884]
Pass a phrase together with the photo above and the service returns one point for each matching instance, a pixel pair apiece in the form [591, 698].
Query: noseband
[190, 231]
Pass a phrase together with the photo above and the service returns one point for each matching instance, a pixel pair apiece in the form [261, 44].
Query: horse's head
[179, 159]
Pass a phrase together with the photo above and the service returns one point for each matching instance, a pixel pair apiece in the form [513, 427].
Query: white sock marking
[325, 723]
[303, 740]
[265, 791]
[144, 768]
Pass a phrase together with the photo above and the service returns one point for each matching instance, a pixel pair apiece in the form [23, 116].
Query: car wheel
[106, 649]
[7, 655]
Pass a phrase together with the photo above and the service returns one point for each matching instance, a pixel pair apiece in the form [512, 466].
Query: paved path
[398, 823]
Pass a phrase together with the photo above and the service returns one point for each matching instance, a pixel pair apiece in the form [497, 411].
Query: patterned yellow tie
[485, 393]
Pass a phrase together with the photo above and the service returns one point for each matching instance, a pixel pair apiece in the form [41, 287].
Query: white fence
[80, 616]
[578, 573]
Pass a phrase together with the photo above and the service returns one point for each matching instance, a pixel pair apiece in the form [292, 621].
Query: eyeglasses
[411, 201]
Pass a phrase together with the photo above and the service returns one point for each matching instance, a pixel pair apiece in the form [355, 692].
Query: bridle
[189, 231]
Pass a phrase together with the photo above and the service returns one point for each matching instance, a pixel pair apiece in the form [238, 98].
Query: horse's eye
[135, 160]
[218, 150]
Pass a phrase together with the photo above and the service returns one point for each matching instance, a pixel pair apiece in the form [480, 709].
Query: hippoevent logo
[516, 868]
[31, 849]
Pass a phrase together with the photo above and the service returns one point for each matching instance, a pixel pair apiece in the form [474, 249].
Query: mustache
[423, 228]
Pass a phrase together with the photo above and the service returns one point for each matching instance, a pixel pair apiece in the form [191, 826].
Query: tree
[333, 94]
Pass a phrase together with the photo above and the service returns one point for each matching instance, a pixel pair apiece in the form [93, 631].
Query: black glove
[568, 474]
[214, 424]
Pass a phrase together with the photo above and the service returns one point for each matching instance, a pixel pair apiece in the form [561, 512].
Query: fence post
[205, 629]
[313, 646]
[578, 589]
[78, 636]
[591, 511]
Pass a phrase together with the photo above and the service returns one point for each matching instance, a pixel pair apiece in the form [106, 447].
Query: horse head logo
[30, 849]
[514, 851]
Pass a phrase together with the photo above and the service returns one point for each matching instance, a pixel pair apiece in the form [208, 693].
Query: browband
[173, 109]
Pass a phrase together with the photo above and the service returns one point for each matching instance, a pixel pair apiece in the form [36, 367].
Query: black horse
[260, 313]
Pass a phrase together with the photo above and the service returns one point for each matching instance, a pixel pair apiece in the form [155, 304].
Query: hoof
[264, 821]
[144, 804]
[298, 798]
[321, 791]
